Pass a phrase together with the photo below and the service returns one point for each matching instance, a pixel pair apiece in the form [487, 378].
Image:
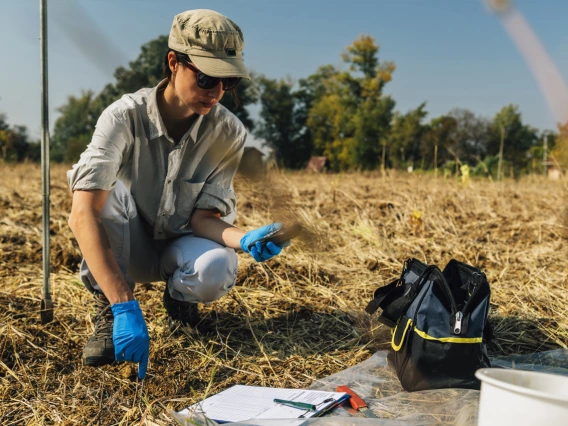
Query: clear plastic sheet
[555, 362]
[378, 385]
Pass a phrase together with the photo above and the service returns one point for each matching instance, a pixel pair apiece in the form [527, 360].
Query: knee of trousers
[213, 275]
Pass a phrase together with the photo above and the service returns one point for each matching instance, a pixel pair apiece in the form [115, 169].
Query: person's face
[189, 94]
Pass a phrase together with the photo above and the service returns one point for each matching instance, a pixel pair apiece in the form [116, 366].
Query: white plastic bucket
[522, 398]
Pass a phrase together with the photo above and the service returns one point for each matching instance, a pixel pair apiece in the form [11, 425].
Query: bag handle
[394, 299]
[387, 291]
[390, 290]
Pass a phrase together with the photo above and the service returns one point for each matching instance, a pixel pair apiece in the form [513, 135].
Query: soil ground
[294, 319]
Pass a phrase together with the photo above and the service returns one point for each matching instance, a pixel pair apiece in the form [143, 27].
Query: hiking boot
[99, 349]
[182, 316]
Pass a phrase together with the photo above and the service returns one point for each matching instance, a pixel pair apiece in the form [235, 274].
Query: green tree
[405, 138]
[536, 153]
[362, 56]
[283, 122]
[6, 140]
[438, 140]
[7, 150]
[15, 145]
[3, 123]
[330, 119]
[76, 123]
[560, 150]
[314, 86]
[518, 138]
[471, 135]
[146, 70]
[372, 124]
[349, 116]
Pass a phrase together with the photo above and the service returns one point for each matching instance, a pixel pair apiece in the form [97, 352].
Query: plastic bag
[377, 384]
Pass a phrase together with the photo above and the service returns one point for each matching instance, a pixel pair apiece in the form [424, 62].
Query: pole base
[46, 311]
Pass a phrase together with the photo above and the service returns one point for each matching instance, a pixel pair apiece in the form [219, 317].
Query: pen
[296, 404]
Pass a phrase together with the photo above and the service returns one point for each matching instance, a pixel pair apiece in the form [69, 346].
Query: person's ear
[172, 62]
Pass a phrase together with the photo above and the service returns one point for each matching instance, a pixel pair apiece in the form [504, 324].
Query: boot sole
[97, 361]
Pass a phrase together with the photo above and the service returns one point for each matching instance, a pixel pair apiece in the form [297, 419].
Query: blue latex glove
[130, 335]
[262, 251]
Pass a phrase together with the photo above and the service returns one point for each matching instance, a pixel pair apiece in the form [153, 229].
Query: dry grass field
[290, 321]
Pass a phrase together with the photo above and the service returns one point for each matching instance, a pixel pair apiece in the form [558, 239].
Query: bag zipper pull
[458, 324]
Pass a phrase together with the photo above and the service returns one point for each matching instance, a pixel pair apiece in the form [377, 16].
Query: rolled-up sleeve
[99, 164]
[217, 193]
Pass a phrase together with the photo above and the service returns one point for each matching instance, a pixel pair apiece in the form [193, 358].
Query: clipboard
[241, 402]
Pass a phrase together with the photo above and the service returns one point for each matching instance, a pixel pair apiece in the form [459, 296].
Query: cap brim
[220, 67]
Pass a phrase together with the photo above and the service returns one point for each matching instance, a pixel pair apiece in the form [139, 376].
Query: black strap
[396, 304]
[394, 299]
[379, 296]
[382, 292]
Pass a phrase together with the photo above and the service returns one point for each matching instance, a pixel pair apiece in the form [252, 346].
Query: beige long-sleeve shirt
[167, 180]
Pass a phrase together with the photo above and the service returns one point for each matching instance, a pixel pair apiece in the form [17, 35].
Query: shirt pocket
[187, 196]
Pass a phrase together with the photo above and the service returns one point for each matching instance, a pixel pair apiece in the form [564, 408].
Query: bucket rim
[483, 374]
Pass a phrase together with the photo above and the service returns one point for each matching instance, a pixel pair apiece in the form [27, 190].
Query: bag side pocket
[398, 356]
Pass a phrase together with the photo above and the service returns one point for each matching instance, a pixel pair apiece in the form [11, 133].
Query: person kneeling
[152, 193]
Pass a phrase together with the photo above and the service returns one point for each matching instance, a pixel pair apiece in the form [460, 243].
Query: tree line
[15, 143]
[342, 114]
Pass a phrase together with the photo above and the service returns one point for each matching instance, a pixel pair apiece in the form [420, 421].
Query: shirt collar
[156, 124]
[194, 131]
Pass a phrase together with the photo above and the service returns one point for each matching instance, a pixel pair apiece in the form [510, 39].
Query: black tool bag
[439, 324]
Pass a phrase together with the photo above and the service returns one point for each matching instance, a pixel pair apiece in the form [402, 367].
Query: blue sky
[449, 53]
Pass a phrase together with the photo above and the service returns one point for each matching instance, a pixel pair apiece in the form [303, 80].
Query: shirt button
[169, 181]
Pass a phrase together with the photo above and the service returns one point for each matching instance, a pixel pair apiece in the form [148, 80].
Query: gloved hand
[262, 251]
[130, 335]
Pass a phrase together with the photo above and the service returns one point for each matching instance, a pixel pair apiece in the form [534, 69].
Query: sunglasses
[207, 82]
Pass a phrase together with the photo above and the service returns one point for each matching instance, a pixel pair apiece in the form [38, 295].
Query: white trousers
[195, 269]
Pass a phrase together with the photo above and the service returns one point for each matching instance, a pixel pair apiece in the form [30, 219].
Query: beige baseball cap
[213, 42]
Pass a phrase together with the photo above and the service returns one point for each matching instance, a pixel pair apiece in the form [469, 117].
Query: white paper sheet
[240, 403]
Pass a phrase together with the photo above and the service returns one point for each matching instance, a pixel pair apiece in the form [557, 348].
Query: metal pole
[383, 158]
[46, 311]
[545, 156]
[436, 160]
[500, 164]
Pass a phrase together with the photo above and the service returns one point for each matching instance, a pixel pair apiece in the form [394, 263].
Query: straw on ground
[288, 322]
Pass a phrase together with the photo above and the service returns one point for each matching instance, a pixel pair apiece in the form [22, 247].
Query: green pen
[296, 404]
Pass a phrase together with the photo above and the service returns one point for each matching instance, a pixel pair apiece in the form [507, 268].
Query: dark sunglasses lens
[207, 82]
[230, 83]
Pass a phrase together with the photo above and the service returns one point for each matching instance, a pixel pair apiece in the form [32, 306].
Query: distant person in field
[152, 193]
